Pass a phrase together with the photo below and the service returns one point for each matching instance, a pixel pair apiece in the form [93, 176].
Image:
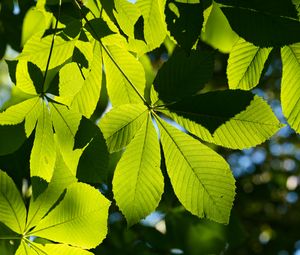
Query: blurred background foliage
[265, 218]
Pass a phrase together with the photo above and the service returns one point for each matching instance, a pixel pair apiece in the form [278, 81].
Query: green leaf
[11, 137]
[204, 109]
[263, 28]
[85, 101]
[49, 249]
[37, 49]
[126, 14]
[43, 154]
[36, 76]
[155, 29]
[252, 126]
[125, 76]
[65, 123]
[35, 21]
[245, 65]
[138, 182]
[278, 7]
[217, 31]
[121, 124]
[12, 208]
[93, 163]
[185, 22]
[200, 177]
[80, 219]
[290, 84]
[98, 28]
[70, 82]
[17, 113]
[23, 80]
[40, 205]
[183, 75]
[12, 65]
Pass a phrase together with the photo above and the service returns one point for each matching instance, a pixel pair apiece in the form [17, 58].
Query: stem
[52, 46]
[10, 238]
[112, 58]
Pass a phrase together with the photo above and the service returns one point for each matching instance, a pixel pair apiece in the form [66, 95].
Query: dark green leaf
[93, 162]
[87, 130]
[12, 66]
[213, 109]
[36, 76]
[278, 7]
[98, 28]
[73, 29]
[11, 137]
[263, 29]
[139, 29]
[79, 58]
[2, 47]
[183, 75]
[186, 27]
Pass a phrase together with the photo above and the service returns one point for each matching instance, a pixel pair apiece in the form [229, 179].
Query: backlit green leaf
[43, 154]
[290, 87]
[17, 113]
[80, 219]
[40, 205]
[12, 208]
[23, 80]
[200, 177]
[125, 76]
[155, 29]
[66, 123]
[253, 125]
[138, 182]
[86, 99]
[37, 51]
[245, 65]
[120, 125]
[49, 249]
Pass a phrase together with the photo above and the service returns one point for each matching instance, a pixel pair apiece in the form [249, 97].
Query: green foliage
[74, 221]
[78, 55]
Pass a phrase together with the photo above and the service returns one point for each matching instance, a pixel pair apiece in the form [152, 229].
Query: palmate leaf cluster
[79, 50]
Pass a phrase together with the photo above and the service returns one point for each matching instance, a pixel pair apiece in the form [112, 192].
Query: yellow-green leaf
[12, 208]
[80, 219]
[138, 182]
[290, 87]
[245, 64]
[200, 177]
[125, 76]
[121, 124]
[43, 154]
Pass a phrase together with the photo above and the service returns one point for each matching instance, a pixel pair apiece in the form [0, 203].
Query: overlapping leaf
[79, 219]
[248, 125]
[181, 69]
[290, 88]
[245, 65]
[184, 21]
[264, 25]
[155, 29]
[37, 51]
[125, 76]
[120, 125]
